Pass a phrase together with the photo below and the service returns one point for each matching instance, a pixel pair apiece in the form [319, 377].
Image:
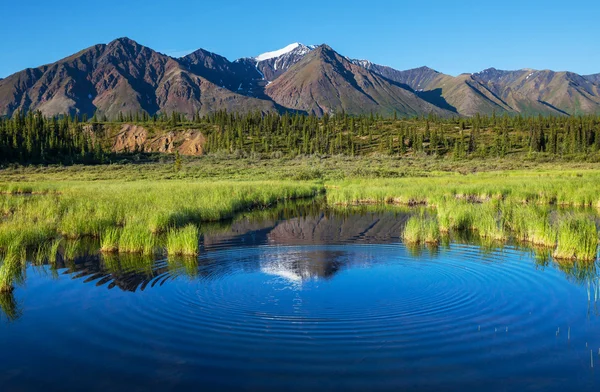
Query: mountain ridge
[124, 76]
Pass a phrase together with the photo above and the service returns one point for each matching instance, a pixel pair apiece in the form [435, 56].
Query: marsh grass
[41, 254]
[421, 229]
[11, 271]
[109, 240]
[577, 238]
[72, 250]
[549, 187]
[135, 238]
[53, 251]
[183, 241]
[488, 222]
[530, 224]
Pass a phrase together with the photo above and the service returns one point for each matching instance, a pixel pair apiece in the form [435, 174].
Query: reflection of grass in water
[118, 264]
[11, 271]
[186, 264]
[9, 306]
[578, 271]
[53, 252]
[542, 256]
[488, 246]
[72, 249]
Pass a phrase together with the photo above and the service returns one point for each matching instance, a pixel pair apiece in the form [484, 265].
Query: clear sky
[449, 36]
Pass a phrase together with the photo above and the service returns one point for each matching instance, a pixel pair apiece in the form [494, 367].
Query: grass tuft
[183, 241]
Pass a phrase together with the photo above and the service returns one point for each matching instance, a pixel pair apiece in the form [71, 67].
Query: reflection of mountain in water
[299, 267]
[279, 227]
[321, 228]
[328, 228]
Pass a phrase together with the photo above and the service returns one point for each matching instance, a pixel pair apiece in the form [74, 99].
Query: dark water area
[306, 298]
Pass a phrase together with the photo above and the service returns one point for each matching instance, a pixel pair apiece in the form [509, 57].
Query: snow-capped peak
[362, 63]
[298, 47]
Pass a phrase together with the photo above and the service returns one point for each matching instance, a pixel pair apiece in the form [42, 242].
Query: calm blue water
[310, 303]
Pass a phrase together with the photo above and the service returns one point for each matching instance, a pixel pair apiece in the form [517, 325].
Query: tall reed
[577, 239]
[183, 241]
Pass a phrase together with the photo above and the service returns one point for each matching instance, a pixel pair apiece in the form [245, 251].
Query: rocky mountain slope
[124, 76]
[524, 91]
[326, 82]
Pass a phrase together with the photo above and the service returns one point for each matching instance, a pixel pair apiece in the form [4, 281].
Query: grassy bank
[150, 208]
[562, 187]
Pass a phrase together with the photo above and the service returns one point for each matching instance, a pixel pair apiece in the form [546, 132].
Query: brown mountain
[595, 78]
[526, 90]
[122, 76]
[238, 76]
[326, 82]
[523, 91]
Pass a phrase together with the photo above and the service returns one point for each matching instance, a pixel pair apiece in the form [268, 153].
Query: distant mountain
[523, 91]
[240, 77]
[326, 82]
[124, 76]
[593, 78]
[556, 92]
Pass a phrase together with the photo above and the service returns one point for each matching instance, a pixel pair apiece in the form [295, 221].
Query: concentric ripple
[343, 317]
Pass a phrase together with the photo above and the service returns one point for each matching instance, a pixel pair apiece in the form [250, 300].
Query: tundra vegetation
[532, 180]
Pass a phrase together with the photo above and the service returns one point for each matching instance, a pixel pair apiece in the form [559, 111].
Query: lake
[306, 298]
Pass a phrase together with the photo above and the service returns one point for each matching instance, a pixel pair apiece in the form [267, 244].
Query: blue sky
[450, 36]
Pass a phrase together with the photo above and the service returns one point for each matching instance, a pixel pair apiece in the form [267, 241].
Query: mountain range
[124, 76]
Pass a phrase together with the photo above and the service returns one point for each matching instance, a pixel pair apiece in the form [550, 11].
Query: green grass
[109, 241]
[183, 241]
[559, 187]
[488, 222]
[420, 229]
[75, 210]
[136, 239]
[530, 224]
[577, 239]
[72, 250]
[11, 268]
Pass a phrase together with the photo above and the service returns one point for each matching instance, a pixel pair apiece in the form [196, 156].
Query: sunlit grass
[109, 241]
[420, 229]
[136, 239]
[577, 239]
[183, 241]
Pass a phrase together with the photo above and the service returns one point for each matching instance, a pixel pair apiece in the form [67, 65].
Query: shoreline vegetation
[533, 180]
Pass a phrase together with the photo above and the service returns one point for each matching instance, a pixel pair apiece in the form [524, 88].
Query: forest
[32, 138]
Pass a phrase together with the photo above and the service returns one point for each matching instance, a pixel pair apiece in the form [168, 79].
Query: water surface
[306, 300]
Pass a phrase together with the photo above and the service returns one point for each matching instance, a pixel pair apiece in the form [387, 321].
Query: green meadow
[150, 209]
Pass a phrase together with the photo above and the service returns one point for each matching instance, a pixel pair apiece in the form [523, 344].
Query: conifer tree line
[33, 138]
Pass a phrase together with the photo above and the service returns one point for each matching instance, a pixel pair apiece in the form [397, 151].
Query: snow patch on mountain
[277, 53]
